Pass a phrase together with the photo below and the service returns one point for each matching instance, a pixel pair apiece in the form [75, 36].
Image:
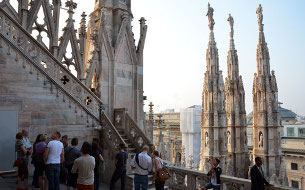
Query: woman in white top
[157, 165]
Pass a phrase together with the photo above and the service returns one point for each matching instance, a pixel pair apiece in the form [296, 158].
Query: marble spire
[150, 121]
[266, 118]
[160, 145]
[213, 122]
[236, 113]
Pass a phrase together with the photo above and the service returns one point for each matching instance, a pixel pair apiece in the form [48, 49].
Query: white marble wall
[190, 120]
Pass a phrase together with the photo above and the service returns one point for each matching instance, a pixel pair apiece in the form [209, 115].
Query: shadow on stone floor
[9, 182]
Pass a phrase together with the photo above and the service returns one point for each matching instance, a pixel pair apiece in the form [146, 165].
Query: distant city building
[190, 120]
[172, 136]
[291, 124]
[294, 150]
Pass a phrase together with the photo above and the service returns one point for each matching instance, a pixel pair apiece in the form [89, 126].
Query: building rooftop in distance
[285, 114]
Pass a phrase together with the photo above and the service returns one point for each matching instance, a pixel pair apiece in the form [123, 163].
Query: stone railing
[137, 136]
[31, 53]
[112, 136]
[183, 178]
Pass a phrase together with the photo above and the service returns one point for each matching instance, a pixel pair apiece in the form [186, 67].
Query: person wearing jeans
[53, 172]
[53, 157]
[215, 173]
[142, 165]
[141, 180]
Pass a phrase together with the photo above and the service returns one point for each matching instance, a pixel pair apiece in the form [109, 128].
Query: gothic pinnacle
[71, 6]
[231, 22]
[82, 29]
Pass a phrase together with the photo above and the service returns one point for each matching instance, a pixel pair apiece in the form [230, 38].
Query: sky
[177, 39]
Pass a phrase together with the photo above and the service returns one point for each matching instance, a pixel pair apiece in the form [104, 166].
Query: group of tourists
[60, 163]
[79, 168]
[56, 162]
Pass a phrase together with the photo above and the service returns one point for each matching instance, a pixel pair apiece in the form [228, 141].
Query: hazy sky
[177, 38]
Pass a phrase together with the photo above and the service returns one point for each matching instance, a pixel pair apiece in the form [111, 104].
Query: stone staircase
[20, 47]
[68, 94]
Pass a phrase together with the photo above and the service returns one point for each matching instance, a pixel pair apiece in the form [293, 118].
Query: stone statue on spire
[210, 17]
[259, 12]
[231, 22]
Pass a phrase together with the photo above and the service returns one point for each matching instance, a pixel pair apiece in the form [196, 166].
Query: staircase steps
[130, 148]
[151, 186]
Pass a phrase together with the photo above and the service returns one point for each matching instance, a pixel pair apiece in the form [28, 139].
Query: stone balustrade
[138, 138]
[111, 134]
[35, 55]
[184, 178]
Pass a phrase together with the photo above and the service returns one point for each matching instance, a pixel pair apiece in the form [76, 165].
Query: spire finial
[210, 17]
[151, 112]
[71, 6]
[259, 12]
[231, 22]
[151, 105]
[142, 21]
[82, 29]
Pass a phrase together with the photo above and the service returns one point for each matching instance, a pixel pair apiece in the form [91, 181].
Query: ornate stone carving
[235, 108]
[231, 22]
[206, 139]
[229, 137]
[210, 17]
[213, 103]
[259, 12]
[118, 119]
[260, 140]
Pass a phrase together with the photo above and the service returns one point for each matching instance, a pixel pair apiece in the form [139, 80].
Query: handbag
[163, 174]
[18, 163]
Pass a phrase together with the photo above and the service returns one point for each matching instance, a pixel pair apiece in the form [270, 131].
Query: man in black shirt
[257, 175]
[120, 170]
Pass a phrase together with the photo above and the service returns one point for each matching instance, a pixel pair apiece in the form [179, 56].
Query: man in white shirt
[53, 157]
[142, 164]
[84, 167]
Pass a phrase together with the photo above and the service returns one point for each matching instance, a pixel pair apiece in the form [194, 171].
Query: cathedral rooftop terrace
[185, 178]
